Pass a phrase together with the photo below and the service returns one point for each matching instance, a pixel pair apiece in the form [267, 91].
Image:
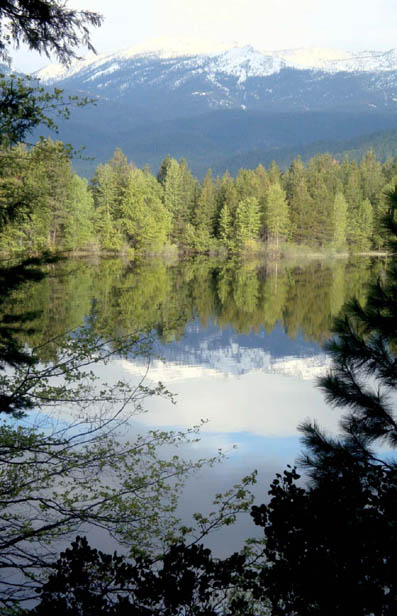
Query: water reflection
[240, 342]
[240, 346]
[212, 300]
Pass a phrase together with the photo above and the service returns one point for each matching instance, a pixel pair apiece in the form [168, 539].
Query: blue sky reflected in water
[253, 390]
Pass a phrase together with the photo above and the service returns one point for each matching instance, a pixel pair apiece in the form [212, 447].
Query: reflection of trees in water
[152, 295]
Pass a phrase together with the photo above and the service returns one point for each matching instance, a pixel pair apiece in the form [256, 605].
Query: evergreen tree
[226, 194]
[79, 208]
[277, 221]
[57, 175]
[225, 226]
[189, 190]
[275, 174]
[173, 200]
[145, 221]
[121, 170]
[379, 211]
[339, 222]
[389, 169]
[21, 194]
[106, 223]
[361, 227]
[247, 222]
[300, 203]
[247, 184]
[372, 178]
[322, 183]
[163, 170]
[46, 27]
[263, 187]
[352, 185]
[205, 209]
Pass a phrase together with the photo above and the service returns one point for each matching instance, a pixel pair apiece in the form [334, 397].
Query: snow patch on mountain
[241, 61]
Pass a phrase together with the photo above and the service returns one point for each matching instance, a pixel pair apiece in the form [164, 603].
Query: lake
[238, 343]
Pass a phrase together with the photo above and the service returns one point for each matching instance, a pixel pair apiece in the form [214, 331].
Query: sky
[272, 24]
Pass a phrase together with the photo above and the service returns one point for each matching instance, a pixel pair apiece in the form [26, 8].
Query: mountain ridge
[176, 98]
[229, 57]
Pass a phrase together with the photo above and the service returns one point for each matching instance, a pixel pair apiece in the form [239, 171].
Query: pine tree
[263, 187]
[121, 170]
[247, 223]
[225, 226]
[189, 190]
[361, 227]
[79, 229]
[300, 203]
[379, 211]
[163, 170]
[106, 224]
[145, 220]
[226, 194]
[57, 175]
[372, 178]
[277, 222]
[247, 184]
[352, 184]
[205, 209]
[323, 184]
[339, 222]
[275, 174]
[173, 200]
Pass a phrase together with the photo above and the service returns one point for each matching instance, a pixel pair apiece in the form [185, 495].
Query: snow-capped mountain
[212, 102]
[178, 78]
[232, 59]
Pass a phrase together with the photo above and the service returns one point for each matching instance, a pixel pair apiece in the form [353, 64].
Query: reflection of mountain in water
[226, 352]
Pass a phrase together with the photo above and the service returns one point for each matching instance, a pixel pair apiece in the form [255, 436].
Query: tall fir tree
[300, 203]
[277, 221]
[247, 221]
[339, 222]
[173, 200]
[145, 221]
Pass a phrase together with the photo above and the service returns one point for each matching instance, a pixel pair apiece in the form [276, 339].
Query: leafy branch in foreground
[46, 26]
[25, 105]
[71, 465]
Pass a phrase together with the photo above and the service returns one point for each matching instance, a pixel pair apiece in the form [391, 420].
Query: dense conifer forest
[321, 205]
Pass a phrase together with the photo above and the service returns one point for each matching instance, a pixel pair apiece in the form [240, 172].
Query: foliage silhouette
[331, 547]
[45, 26]
[187, 580]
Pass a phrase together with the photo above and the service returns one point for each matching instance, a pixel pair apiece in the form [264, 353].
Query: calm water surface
[240, 344]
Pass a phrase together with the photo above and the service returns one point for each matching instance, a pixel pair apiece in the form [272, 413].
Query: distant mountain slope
[223, 103]
[221, 139]
[384, 145]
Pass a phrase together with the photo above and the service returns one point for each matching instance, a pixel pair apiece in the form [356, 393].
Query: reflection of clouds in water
[257, 411]
[306, 368]
[255, 403]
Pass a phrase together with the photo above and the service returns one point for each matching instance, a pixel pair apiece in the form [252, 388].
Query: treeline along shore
[324, 205]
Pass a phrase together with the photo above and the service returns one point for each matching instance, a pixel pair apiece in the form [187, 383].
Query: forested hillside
[382, 143]
[321, 205]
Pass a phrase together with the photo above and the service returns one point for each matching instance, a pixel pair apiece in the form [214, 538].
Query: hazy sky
[273, 24]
